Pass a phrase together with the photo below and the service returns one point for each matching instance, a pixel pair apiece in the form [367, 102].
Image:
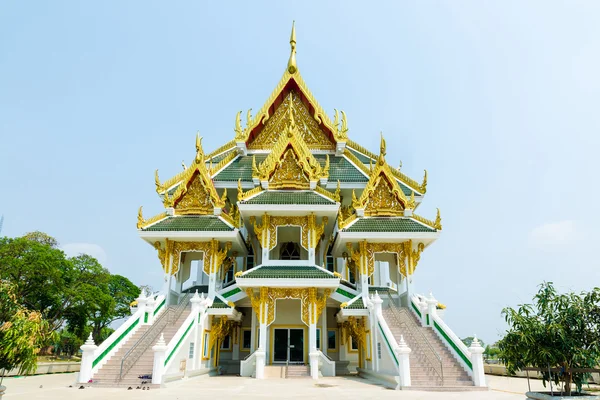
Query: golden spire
[199, 152]
[292, 68]
[382, 150]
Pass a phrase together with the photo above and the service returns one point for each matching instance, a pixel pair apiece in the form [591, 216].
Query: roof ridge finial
[292, 68]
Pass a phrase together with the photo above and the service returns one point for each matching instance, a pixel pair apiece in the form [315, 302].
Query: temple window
[289, 251]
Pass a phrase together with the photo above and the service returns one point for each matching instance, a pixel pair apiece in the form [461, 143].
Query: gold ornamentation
[159, 186]
[337, 275]
[309, 129]
[213, 256]
[372, 248]
[221, 164]
[411, 202]
[219, 331]
[239, 133]
[337, 194]
[382, 195]
[438, 221]
[275, 221]
[250, 193]
[426, 221]
[344, 304]
[413, 255]
[288, 293]
[289, 174]
[327, 193]
[292, 68]
[356, 328]
[239, 273]
[196, 194]
[226, 147]
[142, 223]
[231, 304]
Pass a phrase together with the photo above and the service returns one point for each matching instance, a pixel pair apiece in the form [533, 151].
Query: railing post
[403, 352]
[142, 301]
[477, 362]
[260, 363]
[160, 354]
[87, 358]
[431, 309]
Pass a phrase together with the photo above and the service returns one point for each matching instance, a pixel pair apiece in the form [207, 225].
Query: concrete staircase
[108, 375]
[423, 362]
[298, 371]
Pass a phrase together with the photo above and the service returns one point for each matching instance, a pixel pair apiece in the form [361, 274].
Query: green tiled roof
[241, 167]
[358, 304]
[388, 224]
[342, 170]
[287, 272]
[339, 169]
[190, 223]
[218, 303]
[296, 197]
[360, 156]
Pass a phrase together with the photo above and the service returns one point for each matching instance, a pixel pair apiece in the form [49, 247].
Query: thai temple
[289, 251]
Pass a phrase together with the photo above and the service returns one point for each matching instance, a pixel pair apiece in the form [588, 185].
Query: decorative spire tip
[292, 68]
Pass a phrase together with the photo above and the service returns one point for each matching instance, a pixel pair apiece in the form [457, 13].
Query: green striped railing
[412, 303]
[460, 353]
[232, 292]
[162, 303]
[388, 343]
[179, 341]
[344, 293]
[113, 344]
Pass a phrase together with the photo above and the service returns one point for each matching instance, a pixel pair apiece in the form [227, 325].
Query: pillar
[87, 358]
[261, 353]
[377, 313]
[477, 362]
[403, 352]
[160, 354]
[431, 309]
[235, 354]
[313, 352]
[324, 334]
[253, 333]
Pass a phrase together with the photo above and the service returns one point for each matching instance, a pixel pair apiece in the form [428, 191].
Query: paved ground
[57, 387]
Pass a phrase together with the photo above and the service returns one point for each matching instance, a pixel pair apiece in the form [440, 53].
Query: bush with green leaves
[556, 331]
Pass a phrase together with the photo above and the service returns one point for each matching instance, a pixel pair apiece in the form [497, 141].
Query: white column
[87, 358]
[313, 352]
[235, 354]
[160, 354]
[141, 303]
[431, 308]
[477, 362]
[261, 352]
[324, 334]
[403, 352]
[253, 333]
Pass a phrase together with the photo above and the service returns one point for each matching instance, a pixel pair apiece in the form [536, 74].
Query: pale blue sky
[498, 100]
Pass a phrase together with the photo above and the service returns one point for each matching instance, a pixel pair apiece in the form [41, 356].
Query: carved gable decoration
[196, 194]
[290, 159]
[288, 173]
[382, 195]
[309, 128]
[382, 200]
[195, 199]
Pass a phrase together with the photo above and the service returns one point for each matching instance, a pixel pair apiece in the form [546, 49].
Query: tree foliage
[22, 333]
[77, 293]
[557, 331]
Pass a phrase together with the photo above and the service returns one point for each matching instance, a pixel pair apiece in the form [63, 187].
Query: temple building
[291, 250]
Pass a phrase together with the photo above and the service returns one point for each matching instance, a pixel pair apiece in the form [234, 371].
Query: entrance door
[288, 345]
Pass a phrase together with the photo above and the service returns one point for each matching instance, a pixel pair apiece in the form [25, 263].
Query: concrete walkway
[57, 387]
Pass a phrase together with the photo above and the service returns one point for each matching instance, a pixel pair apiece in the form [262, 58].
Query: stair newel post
[403, 352]
[312, 334]
[198, 307]
[477, 361]
[88, 350]
[160, 354]
[142, 302]
[431, 309]
[375, 303]
[150, 304]
[261, 353]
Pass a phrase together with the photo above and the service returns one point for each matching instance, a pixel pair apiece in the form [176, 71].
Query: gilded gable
[288, 173]
[195, 198]
[383, 200]
[308, 128]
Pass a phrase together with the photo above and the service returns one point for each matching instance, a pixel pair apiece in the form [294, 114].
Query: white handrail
[248, 365]
[326, 365]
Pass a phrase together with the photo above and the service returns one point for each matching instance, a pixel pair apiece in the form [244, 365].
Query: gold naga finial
[344, 129]
[336, 118]
[199, 152]
[292, 68]
[337, 191]
[254, 167]
[355, 202]
[239, 133]
[248, 118]
[423, 186]
[326, 168]
[157, 181]
[382, 150]
[140, 221]
[240, 193]
[411, 202]
[224, 196]
[438, 221]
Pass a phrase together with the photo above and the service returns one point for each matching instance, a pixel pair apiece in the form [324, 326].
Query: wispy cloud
[75, 249]
[552, 234]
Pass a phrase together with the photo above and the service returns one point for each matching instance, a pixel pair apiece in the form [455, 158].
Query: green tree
[42, 238]
[557, 331]
[22, 333]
